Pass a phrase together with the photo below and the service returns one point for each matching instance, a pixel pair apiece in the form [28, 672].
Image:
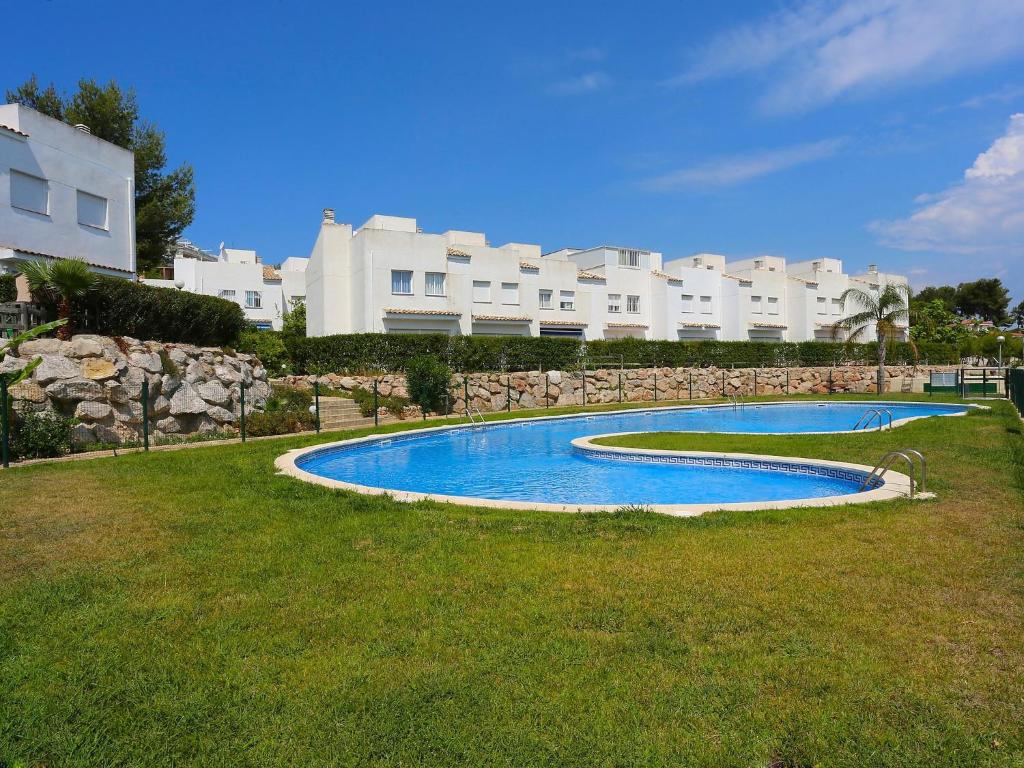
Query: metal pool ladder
[736, 401]
[908, 455]
[472, 420]
[864, 422]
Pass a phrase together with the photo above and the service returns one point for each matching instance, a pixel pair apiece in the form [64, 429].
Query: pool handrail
[885, 464]
[864, 422]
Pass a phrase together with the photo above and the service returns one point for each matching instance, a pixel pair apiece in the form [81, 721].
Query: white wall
[69, 160]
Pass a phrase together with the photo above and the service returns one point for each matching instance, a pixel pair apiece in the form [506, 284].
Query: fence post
[376, 409]
[584, 385]
[655, 385]
[145, 414]
[316, 405]
[984, 383]
[691, 385]
[787, 381]
[5, 427]
[723, 382]
[830, 381]
[620, 386]
[241, 406]
[547, 399]
[508, 392]
[755, 382]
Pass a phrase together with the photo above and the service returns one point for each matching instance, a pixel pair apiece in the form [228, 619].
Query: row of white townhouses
[387, 276]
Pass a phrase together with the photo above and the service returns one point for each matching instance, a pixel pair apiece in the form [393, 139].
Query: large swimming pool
[535, 462]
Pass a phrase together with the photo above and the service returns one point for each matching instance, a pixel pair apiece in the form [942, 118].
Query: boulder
[40, 347]
[169, 426]
[54, 367]
[12, 364]
[221, 415]
[28, 390]
[178, 356]
[555, 377]
[84, 346]
[169, 384]
[116, 392]
[198, 371]
[131, 381]
[214, 392]
[129, 413]
[161, 406]
[92, 411]
[67, 390]
[187, 401]
[147, 361]
[227, 374]
[83, 435]
[98, 369]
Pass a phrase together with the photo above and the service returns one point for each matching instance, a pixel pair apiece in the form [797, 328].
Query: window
[705, 305]
[629, 258]
[434, 284]
[773, 305]
[253, 300]
[633, 304]
[837, 307]
[544, 299]
[687, 302]
[614, 301]
[755, 305]
[227, 293]
[482, 291]
[92, 210]
[401, 281]
[567, 300]
[30, 193]
[510, 293]
[822, 305]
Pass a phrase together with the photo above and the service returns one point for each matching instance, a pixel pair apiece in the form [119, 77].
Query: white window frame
[428, 289]
[544, 298]
[227, 293]
[629, 258]
[687, 302]
[26, 206]
[567, 301]
[481, 291]
[510, 294]
[756, 305]
[822, 305]
[79, 195]
[633, 305]
[706, 307]
[773, 305]
[614, 302]
[837, 307]
[253, 300]
[398, 279]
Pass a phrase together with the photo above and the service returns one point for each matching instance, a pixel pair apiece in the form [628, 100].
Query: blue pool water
[534, 461]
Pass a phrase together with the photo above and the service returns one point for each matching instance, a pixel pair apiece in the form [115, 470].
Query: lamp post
[179, 284]
[1000, 339]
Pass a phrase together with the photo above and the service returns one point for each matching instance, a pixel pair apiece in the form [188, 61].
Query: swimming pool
[534, 463]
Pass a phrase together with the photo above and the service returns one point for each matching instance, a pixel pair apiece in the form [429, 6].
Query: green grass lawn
[193, 608]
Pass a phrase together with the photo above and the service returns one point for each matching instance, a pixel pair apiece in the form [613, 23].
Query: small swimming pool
[533, 463]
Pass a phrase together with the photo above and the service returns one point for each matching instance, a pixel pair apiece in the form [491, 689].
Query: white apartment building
[64, 194]
[265, 293]
[388, 276]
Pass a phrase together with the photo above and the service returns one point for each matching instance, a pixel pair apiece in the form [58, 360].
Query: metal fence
[1015, 388]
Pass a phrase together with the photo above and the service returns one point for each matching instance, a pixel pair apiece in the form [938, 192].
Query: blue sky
[869, 130]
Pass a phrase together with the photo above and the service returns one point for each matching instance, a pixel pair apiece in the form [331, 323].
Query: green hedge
[363, 352]
[124, 308]
[8, 288]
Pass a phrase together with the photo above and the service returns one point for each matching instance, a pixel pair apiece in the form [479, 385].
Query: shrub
[40, 436]
[269, 348]
[124, 308]
[427, 379]
[364, 399]
[287, 411]
[8, 288]
[359, 353]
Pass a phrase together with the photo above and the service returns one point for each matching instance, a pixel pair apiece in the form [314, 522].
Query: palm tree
[886, 310]
[60, 282]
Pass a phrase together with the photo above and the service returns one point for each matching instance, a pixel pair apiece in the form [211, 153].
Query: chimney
[83, 128]
[328, 215]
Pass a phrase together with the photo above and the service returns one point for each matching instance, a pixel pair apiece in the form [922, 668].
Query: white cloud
[815, 52]
[983, 214]
[586, 83]
[735, 169]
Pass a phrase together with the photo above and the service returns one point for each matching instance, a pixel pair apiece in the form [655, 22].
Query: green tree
[944, 293]
[1017, 315]
[886, 310]
[60, 283]
[986, 298]
[8, 288]
[294, 324]
[164, 201]
[427, 378]
[932, 322]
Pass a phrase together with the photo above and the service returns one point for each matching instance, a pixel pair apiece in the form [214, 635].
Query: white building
[388, 276]
[64, 194]
[265, 293]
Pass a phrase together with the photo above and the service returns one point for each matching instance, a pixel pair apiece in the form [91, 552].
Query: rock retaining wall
[491, 391]
[98, 381]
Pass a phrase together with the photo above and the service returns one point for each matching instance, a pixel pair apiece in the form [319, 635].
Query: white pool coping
[895, 484]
